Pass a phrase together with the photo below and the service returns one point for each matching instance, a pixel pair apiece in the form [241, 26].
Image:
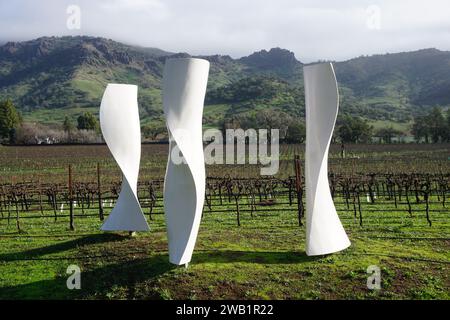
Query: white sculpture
[119, 122]
[184, 88]
[324, 231]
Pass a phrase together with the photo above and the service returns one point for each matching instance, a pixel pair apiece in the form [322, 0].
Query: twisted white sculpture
[119, 122]
[324, 231]
[184, 88]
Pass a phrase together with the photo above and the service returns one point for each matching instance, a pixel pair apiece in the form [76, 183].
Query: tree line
[432, 127]
[14, 130]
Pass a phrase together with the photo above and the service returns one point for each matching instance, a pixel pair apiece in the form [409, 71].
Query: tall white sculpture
[119, 122]
[324, 231]
[184, 88]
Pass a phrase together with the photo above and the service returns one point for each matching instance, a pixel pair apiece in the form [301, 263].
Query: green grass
[262, 259]
[56, 116]
[401, 126]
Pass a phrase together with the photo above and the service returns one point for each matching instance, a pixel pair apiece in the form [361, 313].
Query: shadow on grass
[130, 278]
[111, 281]
[61, 247]
[262, 257]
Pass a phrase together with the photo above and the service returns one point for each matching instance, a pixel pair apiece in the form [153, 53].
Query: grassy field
[401, 126]
[50, 117]
[264, 258]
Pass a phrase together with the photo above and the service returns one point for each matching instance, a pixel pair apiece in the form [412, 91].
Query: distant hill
[404, 83]
[71, 72]
[51, 77]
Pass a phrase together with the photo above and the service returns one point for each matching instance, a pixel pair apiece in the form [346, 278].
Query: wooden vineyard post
[238, 213]
[152, 197]
[9, 210]
[18, 219]
[40, 197]
[17, 214]
[54, 203]
[237, 194]
[427, 202]
[407, 199]
[359, 206]
[298, 187]
[99, 191]
[71, 226]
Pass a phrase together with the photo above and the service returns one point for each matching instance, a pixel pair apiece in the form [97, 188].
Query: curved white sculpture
[184, 88]
[119, 122]
[324, 231]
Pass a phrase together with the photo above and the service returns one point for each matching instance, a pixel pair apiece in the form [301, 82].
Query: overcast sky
[312, 29]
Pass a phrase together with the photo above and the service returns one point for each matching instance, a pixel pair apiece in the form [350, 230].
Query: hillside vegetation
[51, 77]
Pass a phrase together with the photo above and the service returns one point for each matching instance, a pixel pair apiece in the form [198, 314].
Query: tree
[68, 128]
[420, 129]
[87, 121]
[432, 126]
[265, 119]
[153, 131]
[386, 134]
[68, 125]
[437, 124]
[10, 120]
[354, 130]
[272, 119]
[296, 132]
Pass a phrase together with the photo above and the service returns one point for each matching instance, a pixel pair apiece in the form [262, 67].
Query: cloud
[131, 5]
[321, 29]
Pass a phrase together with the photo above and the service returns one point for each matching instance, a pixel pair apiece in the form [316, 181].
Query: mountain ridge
[68, 74]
